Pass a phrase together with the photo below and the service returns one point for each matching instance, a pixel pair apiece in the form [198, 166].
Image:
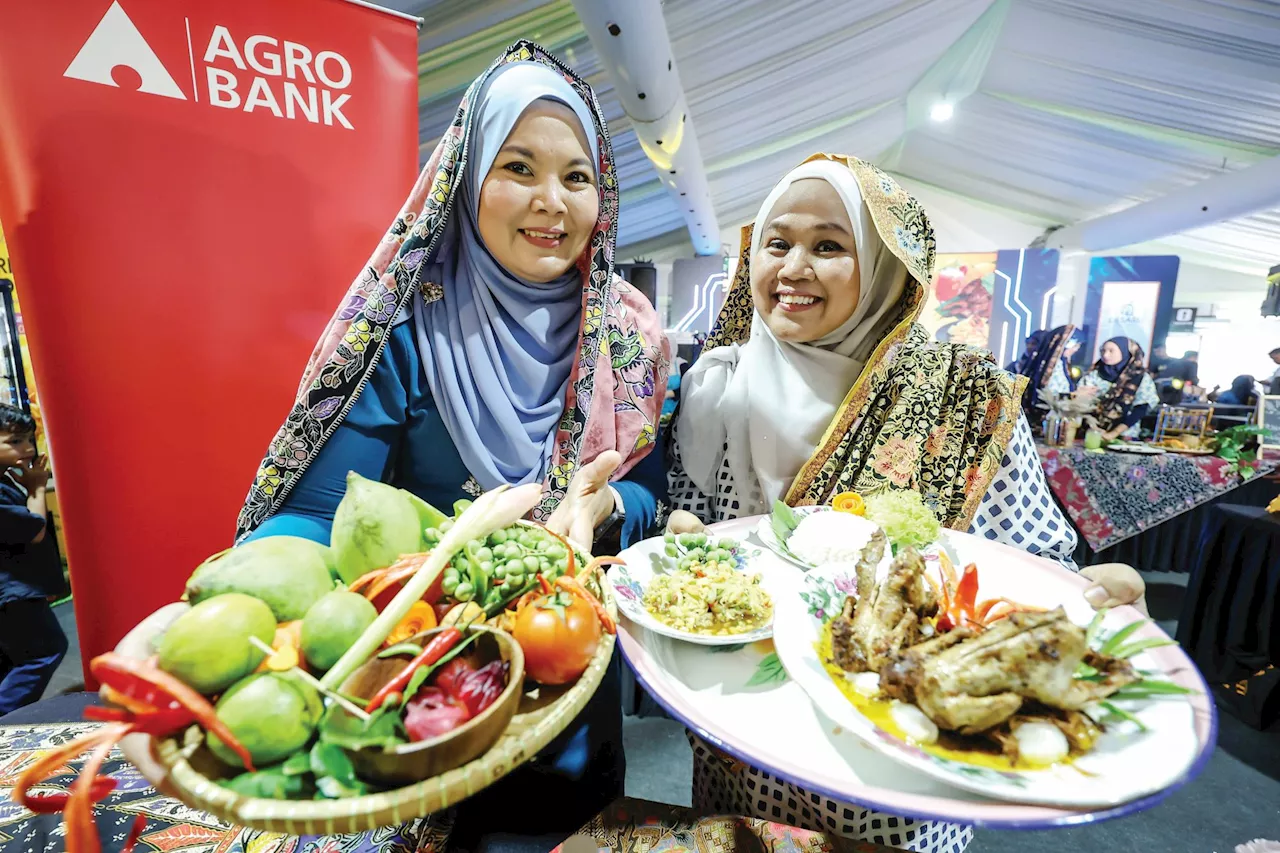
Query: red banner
[188, 187]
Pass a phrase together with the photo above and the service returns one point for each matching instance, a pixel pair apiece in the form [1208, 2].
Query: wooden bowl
[407, 763]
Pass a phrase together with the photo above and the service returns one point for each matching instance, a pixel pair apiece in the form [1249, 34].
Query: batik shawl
[618, 380]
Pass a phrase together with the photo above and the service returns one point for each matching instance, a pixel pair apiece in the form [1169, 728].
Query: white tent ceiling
[1083, 107]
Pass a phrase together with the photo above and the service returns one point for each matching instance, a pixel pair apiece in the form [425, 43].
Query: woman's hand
[1115, 584]
[138, 644]
[682, 521]
[1115, 433]
[588, 501]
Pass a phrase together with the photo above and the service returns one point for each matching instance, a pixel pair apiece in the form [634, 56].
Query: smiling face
[539, 204]
[804, 277]
[1111, 354]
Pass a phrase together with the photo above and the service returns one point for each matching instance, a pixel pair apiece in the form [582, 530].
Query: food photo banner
[187, 187]
[992, 299]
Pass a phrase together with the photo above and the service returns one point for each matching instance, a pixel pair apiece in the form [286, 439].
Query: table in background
[1230, 623]
[1120, 502]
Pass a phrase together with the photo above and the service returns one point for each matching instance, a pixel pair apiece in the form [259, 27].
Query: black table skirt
[1230, 624]
[1171, 546]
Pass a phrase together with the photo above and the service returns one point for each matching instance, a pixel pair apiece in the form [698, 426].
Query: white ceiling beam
[630, 37]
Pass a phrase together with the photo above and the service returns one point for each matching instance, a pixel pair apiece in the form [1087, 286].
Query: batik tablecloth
[628, 826]
[1112, 497]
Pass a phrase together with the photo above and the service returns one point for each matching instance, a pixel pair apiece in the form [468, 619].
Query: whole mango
[288, 573]
[270, 713]
[208, 647]
[332, 626]
[373, 525]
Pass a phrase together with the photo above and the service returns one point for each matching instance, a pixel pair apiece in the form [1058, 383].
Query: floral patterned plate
[648, 558]
[1124, 765]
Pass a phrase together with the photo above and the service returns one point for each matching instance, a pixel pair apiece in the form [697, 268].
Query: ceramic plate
[1139, 449]
[1125, 764]
[649, 558]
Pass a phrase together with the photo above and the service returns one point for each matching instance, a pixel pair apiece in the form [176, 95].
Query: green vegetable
[335, 776]
[401, 649]
[341, 729]
[273, 783]
[904, 517]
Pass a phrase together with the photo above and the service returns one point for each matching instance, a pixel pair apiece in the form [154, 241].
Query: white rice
[830, 537]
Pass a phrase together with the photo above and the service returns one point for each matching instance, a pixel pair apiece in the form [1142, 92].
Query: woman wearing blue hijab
[488, 342]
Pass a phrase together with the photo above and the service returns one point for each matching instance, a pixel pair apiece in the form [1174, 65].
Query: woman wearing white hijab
[834, 389]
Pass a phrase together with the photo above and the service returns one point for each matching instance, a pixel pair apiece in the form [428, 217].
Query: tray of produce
[312, 689]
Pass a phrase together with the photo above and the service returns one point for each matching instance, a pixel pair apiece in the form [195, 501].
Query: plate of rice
[719, 599]
[813, 536]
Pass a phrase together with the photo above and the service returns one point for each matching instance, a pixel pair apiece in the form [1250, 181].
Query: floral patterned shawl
[618, 380]
[924, 415]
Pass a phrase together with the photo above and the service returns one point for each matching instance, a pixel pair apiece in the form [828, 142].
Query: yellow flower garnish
[850, 502]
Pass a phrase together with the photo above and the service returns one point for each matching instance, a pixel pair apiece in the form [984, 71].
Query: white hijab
[766, 404]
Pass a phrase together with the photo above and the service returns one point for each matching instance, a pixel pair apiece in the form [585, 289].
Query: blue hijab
[497, 350]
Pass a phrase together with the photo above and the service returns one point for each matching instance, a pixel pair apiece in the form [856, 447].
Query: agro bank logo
[283, 78]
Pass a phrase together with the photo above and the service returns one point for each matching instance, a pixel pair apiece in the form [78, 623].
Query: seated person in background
[1241, 393]
[1124, 391]
[1030, 349]
[31, 641]
[1273, 384]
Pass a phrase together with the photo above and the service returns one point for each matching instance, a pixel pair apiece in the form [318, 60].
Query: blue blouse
[394, 433]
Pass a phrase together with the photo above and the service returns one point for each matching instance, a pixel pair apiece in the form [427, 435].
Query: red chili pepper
[55, 803]
[435, 650]
[82, 833]
[135, 832]
[572, 586]
[597, 563]
[129, 675]
[967, 590]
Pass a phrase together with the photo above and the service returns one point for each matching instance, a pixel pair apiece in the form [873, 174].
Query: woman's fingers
[1115, 584]
[681, 521]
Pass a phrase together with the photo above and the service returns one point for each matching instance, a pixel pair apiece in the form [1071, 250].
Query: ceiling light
[942, 111]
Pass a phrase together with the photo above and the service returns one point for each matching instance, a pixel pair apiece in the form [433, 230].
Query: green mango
[373, 526]
[208, 647]
[333, 625]
[288, 573]
[270, 713]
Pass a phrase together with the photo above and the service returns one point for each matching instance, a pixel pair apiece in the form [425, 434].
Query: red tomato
[558, 634]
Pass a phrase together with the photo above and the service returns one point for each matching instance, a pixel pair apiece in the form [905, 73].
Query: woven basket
[541, 717]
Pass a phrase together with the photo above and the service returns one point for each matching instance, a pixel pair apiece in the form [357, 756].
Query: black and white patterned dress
[1017, 510]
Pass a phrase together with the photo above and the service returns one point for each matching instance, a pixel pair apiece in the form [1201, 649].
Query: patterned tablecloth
[1114, 496]
[628, 826]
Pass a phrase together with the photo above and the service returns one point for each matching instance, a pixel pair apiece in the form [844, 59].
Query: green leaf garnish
[335, 775]
[296, 764]
[784, 521]
[271, 784]
[382, 729]
[1115, 640]
[1095, 627]
[1117, 711]
[1128, 650]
